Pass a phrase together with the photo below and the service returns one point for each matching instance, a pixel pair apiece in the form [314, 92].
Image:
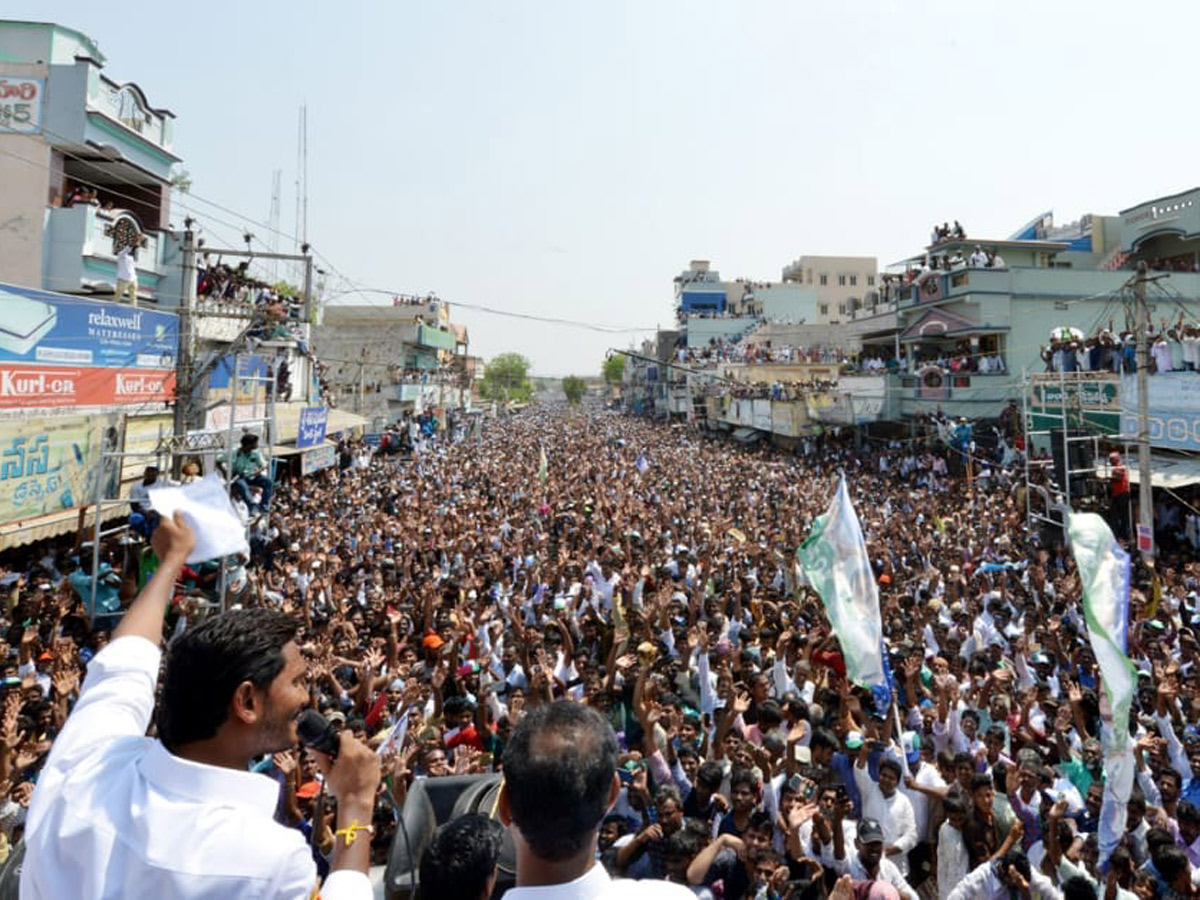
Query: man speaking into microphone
[117, 814]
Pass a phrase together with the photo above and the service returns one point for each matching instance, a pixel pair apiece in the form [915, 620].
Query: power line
[551, 320]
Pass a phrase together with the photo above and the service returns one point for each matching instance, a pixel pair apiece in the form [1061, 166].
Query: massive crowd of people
[650, 573]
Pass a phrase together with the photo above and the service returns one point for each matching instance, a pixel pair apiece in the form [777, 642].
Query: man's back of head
[559, 769]
[460, 860]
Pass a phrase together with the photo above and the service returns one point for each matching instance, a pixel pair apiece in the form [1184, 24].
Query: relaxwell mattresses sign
[67, 351]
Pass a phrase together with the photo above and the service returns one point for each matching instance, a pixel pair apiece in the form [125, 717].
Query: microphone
[317, 733]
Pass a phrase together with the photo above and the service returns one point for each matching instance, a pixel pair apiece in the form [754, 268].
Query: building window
[842, 280]
[824, 309]
[824, 279]
[842, 308]
[870, 281]
[853, 280]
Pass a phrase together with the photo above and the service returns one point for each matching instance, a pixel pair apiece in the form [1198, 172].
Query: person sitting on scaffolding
[142, 518]
[250, 479]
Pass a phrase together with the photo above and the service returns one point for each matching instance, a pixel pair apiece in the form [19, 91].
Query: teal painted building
[65, 125]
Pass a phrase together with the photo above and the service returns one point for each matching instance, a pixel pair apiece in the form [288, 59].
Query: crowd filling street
[650, 572]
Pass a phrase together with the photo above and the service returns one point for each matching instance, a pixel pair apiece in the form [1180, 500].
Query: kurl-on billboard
[67, 351]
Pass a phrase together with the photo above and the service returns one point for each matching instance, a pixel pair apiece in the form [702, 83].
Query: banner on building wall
[64, 351]
[1174, 409]
[313, 420]
[253, 373]
[142, 434]
[318, 458]
[829, 407]
[52, 464]
[760, 416]
[21, 105]
[788, 417]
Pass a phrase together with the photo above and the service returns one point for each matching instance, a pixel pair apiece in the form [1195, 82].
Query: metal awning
[747, 435]
[281, 450]
[66, 521]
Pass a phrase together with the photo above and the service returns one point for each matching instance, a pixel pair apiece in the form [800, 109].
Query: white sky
[568, 158]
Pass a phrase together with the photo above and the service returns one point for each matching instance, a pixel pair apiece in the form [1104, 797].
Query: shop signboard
[318, 458]
[313, 420]
[1174, 411]
[52, 464]
[58, 351]
[21, 104]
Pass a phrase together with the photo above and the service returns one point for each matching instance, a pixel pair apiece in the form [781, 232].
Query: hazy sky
[568, 158]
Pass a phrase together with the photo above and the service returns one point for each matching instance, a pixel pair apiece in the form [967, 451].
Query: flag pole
[900, 739]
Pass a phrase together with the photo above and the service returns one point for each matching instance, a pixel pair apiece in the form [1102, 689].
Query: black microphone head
[316, 732]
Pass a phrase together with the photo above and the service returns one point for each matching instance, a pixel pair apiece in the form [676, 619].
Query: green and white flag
[543, 471]
[1104, 572]
[834, 559]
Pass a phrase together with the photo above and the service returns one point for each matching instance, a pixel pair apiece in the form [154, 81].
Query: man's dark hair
[823, 739]
[206, 664]
[1170, 862]
[981, 780]
[1018, 861]
[1078, 888]
[743, 777]
[892, 766]
[760, 821]
[1187, 812]
[461, 857]
[710, 775]
[558, 768]
[953, 803]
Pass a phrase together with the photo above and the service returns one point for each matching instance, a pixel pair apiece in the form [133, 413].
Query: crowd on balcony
[1173, 349]
[231, 286]
[758, 353]
[452, 377]
[1186, 262]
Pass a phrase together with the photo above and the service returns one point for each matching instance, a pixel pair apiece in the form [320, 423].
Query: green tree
[574, 387]
[507, 378]
[614, 369]
[181, 180]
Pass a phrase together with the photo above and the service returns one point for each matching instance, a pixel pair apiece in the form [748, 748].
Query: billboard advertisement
[51, 464]
[64, 351]
[318, 458]
[1174, 412]
[313, 420]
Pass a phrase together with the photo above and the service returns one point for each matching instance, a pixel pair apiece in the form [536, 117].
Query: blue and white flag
[834, 559]
[641, 465]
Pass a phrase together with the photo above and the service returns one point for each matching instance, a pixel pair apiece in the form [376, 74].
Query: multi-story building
[86, 163]
[840, 283]
[384, 361]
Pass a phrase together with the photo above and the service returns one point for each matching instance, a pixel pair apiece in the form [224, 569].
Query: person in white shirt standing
[127, 283]
[118, 814]
[885, 803]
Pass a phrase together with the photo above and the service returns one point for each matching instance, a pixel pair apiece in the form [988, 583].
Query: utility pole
[183, 358]
[1142, 334]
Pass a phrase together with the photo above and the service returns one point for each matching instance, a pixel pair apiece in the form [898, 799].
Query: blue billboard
[41, 328]
[313, 420]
